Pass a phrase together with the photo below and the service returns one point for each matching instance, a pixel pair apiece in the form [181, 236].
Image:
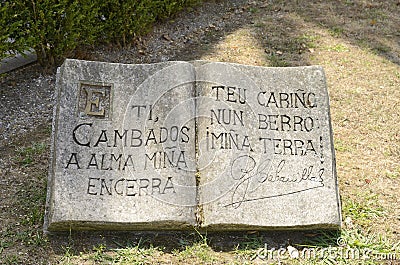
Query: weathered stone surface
[123, 147]
[266, 150]
[171, 145]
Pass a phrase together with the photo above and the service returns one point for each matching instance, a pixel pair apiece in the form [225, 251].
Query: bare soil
[356, 41]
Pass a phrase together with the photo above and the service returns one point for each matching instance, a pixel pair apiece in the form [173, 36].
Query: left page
[123, 147]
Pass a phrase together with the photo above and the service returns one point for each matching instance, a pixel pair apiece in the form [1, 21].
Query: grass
[32, 198]
[336, 31]
[199, 251]
[364, 96]
[392, 174]
[27, 154]
[12, 259]
[365, 209]
[27, 206]
[338, 48]
[134, 255]
[381, 49]
[341, 146]
[253, 10]
[277, 61]
[33, 202]
[346, 247]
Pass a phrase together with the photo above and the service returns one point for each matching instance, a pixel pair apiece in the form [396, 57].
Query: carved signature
[250, 176]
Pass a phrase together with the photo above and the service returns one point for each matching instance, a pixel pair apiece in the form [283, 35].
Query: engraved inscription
[95, 101]
[129, 186]
[247, 174]
[287, 125]
[180, 144]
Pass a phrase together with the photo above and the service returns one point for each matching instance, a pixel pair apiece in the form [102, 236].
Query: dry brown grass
[357, 43]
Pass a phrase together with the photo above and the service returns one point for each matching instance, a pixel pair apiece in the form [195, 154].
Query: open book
[173, 145]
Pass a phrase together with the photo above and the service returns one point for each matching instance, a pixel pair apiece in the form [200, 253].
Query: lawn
[358, 44]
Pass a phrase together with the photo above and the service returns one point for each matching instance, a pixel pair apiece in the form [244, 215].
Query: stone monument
[173, 145]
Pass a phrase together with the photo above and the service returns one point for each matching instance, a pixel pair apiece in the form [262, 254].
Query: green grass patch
[253, 10]
[197, 250]
[12, 259]
[377, 14]
[67, 257]
[338, 48]
[364, 210]
[277, 61]
[392, 174]
[308, 40]
[134, 255]
[26, 155]
[249, 249]
[33, 204]
[341, 146]
[379, 49]
[336, 31]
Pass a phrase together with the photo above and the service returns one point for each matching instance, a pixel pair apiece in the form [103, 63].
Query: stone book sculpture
[173, 145]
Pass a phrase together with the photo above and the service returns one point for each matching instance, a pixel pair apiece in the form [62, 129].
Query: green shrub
[54, 29]
[126, 19]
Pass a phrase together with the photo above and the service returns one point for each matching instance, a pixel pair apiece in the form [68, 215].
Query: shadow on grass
[282, 26]
[371, 26]
[169, 242]
[368, 24]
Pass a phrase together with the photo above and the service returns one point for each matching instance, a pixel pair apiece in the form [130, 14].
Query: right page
[265, 153]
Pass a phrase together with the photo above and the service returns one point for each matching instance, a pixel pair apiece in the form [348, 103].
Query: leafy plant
[55, 29]
[52, 28]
